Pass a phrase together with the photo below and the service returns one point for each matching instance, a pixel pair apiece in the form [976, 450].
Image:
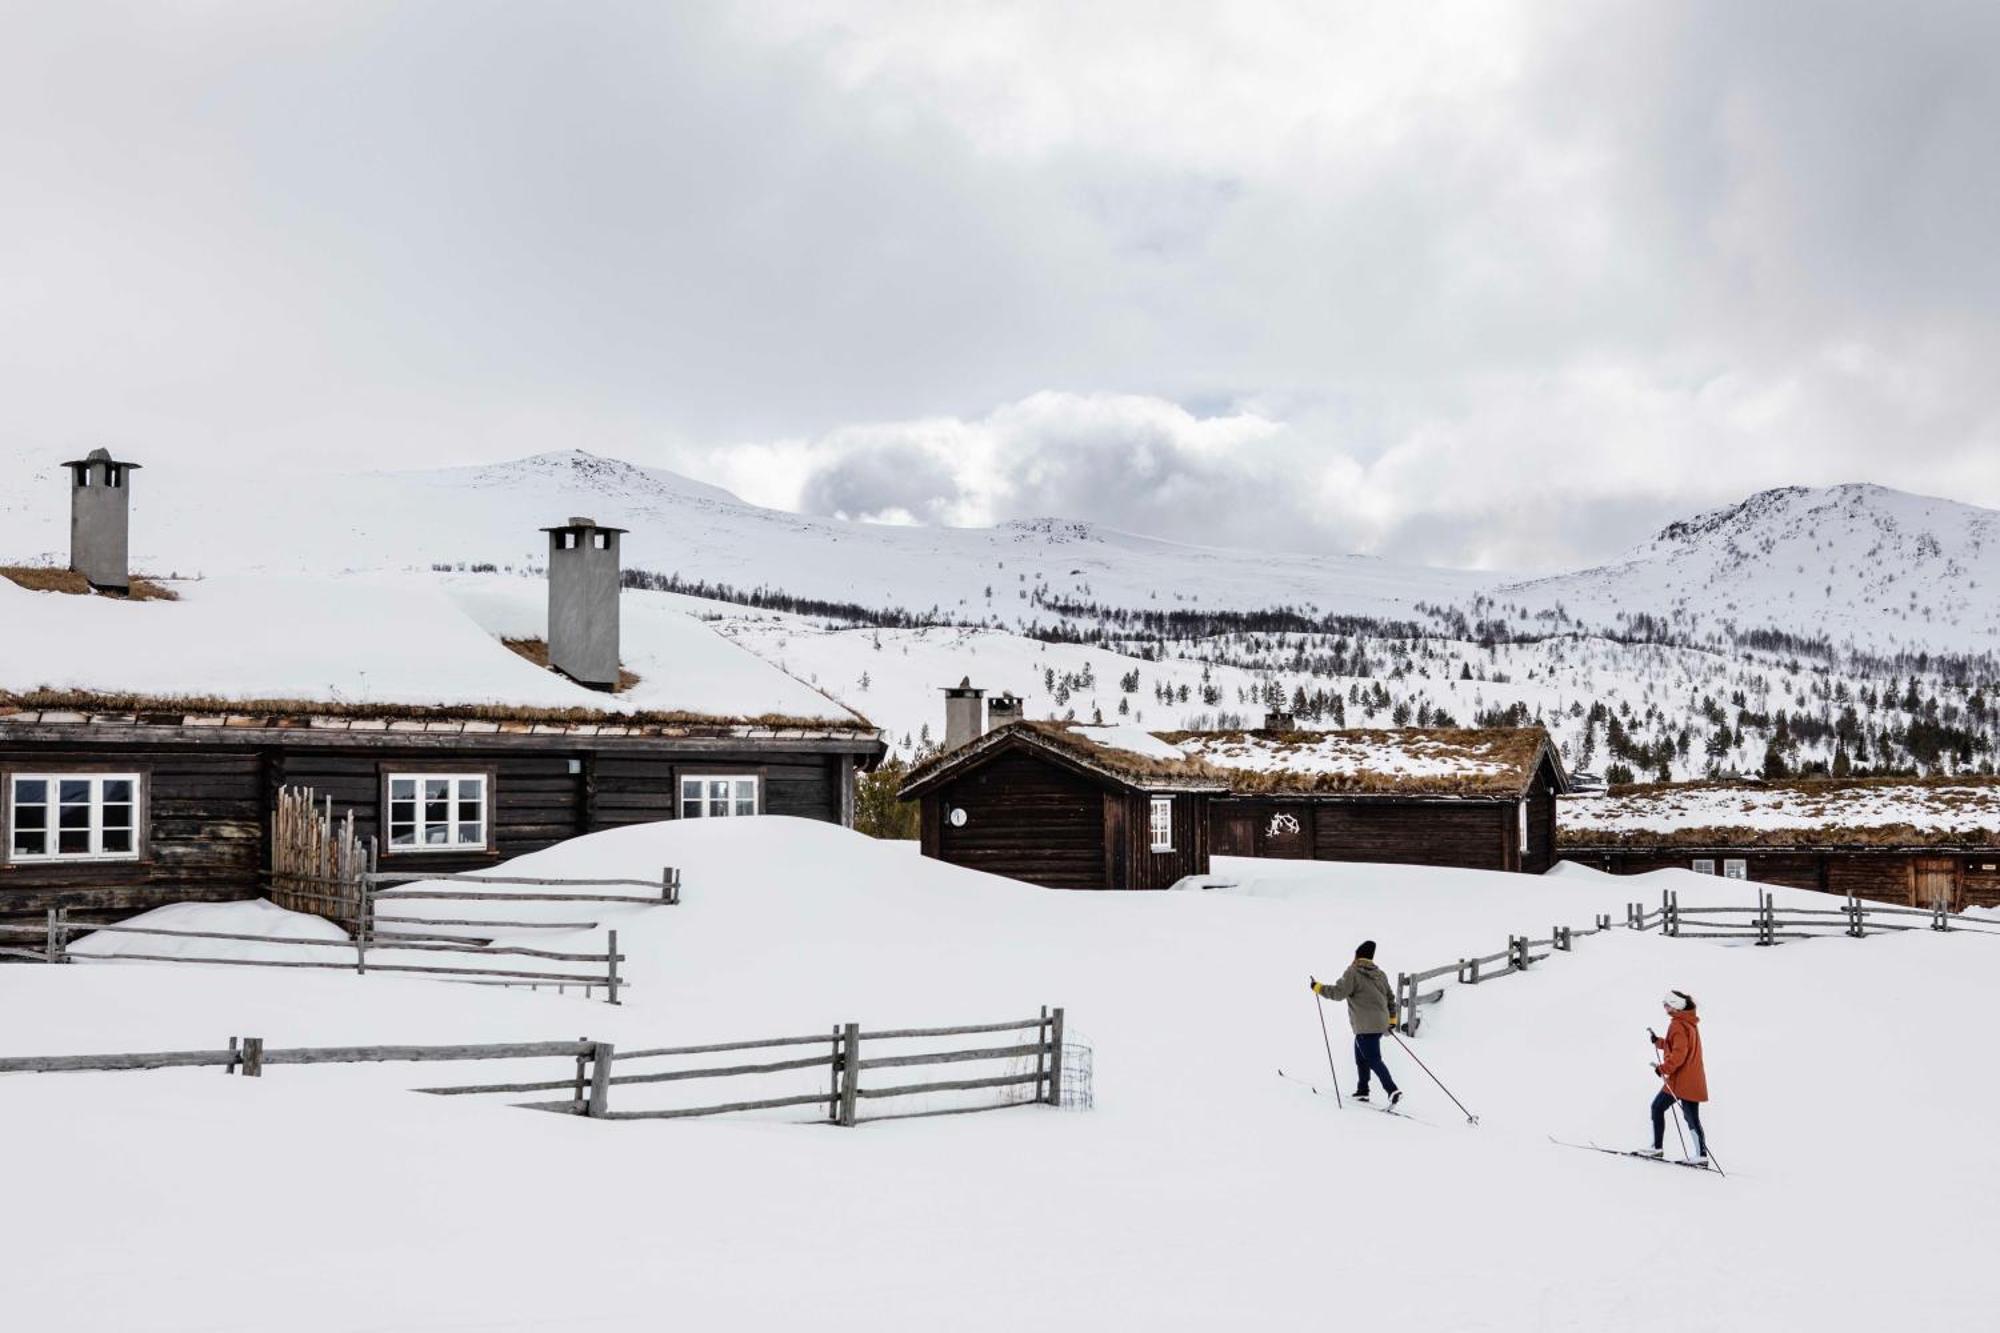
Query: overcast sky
[1491, 284]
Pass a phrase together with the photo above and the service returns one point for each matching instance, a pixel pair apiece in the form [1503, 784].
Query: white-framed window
[1702, 865]
[73, 817]
[1735, 868]
[718, 795]
[1161, 823]
[437, 812]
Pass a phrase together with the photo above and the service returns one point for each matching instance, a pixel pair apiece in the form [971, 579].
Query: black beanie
[1367, 949]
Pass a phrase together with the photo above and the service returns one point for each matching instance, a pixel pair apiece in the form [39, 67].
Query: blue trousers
[1692, 1110]
[1368, 1059]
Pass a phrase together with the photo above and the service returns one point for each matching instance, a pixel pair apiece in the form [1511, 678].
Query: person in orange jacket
[1683, 1077]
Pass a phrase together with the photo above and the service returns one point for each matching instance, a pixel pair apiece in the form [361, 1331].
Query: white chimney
[964, 713]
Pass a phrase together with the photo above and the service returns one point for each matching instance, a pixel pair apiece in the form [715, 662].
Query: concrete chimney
[964, 713]
[100, 520]
[583, 602]
[1001, 709]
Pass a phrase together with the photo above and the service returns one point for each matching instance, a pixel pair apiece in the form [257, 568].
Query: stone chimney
[1001, 709]
[100, 520]
[1277, 723]
[583, 602]
[964, 713]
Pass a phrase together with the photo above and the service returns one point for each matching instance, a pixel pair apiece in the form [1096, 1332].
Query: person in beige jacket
[1371, 1011]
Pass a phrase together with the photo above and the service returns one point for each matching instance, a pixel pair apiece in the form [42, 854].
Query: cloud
[1481, 281]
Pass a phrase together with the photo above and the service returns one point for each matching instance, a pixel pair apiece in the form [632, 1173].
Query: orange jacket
[1680, 1065]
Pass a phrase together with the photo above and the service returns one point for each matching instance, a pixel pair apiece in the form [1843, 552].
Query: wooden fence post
[834, 1070]
[602, 1053]
[611, 985]
[52, 951]
[670, 885]
[253, 1057]
[230, 1068]
[850, 1071]
[1055, 1039]
[577, 1104]
[1042, 1058]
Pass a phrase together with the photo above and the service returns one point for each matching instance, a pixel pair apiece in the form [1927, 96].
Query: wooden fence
[1763, 925]
[594, 1064]
[59, 930]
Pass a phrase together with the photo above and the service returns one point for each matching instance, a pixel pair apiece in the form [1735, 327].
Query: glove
[1312, 984]
[1654, 1035]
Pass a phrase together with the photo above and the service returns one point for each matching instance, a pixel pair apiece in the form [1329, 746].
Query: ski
[1366, 1106]
[1636, 1156]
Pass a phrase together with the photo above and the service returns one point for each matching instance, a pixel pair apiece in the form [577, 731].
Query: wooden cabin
[1073, 806]
[1917, 842]
[1058, 806]
[1481, 799]
[142, 745]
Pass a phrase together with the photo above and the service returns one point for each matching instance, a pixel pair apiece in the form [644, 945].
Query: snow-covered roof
[1408, 762]
[1874, 812]
[1496, 761]
[361, 647]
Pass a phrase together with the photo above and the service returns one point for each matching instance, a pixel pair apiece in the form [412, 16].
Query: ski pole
[1319, 1003]
[1470, 1118]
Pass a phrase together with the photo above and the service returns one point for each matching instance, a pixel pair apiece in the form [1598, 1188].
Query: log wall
[206, 805]
[1027, 819]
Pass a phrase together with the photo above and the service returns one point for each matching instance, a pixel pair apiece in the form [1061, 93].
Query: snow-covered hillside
[1203, 1192]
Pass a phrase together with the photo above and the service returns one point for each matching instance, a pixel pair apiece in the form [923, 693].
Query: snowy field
[1203, 1192]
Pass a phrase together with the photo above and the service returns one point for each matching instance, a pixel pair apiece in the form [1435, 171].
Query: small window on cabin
[1161, 823]
[718, 796]
[73, 817]
[437, 812]
[1702, 866]
[1735, 868]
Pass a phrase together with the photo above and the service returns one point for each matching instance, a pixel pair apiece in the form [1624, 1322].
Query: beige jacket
[1371, 999]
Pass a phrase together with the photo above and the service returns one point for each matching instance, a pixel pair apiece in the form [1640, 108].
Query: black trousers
[1368, 1059]
[1692, 1110]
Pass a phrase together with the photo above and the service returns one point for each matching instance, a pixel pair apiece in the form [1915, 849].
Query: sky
[1497, 285]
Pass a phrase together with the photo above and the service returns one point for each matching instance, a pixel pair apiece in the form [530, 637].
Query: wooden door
[1235, 832]
[1934, 881]
[1282, 831]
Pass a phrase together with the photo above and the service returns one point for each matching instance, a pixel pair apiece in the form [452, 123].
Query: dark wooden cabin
[1914, 842]
[1037, 801]
[114, 800]
[1480, 799]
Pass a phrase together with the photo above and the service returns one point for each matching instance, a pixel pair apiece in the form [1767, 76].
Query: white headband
[1675, 1000]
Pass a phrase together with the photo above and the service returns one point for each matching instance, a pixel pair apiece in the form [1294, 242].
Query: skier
[1682, 1076]
[1371, 1011]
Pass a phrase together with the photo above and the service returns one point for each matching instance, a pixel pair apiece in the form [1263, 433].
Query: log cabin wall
[1032, 820]
[1144, 868]
[1470, 834]
[1540, 852]
[1878, 875]
[205, 805]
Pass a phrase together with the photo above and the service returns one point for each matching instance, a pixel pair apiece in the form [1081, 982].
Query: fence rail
[1764, 925]
[59, 930]
[593, 1072]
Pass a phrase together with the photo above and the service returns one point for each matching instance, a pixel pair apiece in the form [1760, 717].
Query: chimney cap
[99, 455]
[583, 523]
[963, 688]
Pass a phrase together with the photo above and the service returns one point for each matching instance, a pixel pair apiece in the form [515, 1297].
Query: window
[708, 796]
[1162, 823]
[1704, 866]
[437, 812]
[73, 817]
[1523, 808]
[1735, 869]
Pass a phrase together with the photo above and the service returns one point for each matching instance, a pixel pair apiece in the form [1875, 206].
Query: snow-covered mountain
[1859, 564]
[1776, 622]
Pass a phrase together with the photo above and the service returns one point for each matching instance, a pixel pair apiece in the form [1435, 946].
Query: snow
[1132, 740]
[413, 639]
[1203, 1192]
[1970, 810]
[1347, 754]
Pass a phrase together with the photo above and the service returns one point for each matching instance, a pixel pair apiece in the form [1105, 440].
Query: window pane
[402, 835]
[74, 816]
[436, 835]
[30, 791]
[691, 806]
[117, 816]
[402, 789]
[403, 812]
[74, 790]
[30, 842]
[31, 817]
[437, 789]
[73, 842]
[438, 811]
[117, 790]
[117, 840]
